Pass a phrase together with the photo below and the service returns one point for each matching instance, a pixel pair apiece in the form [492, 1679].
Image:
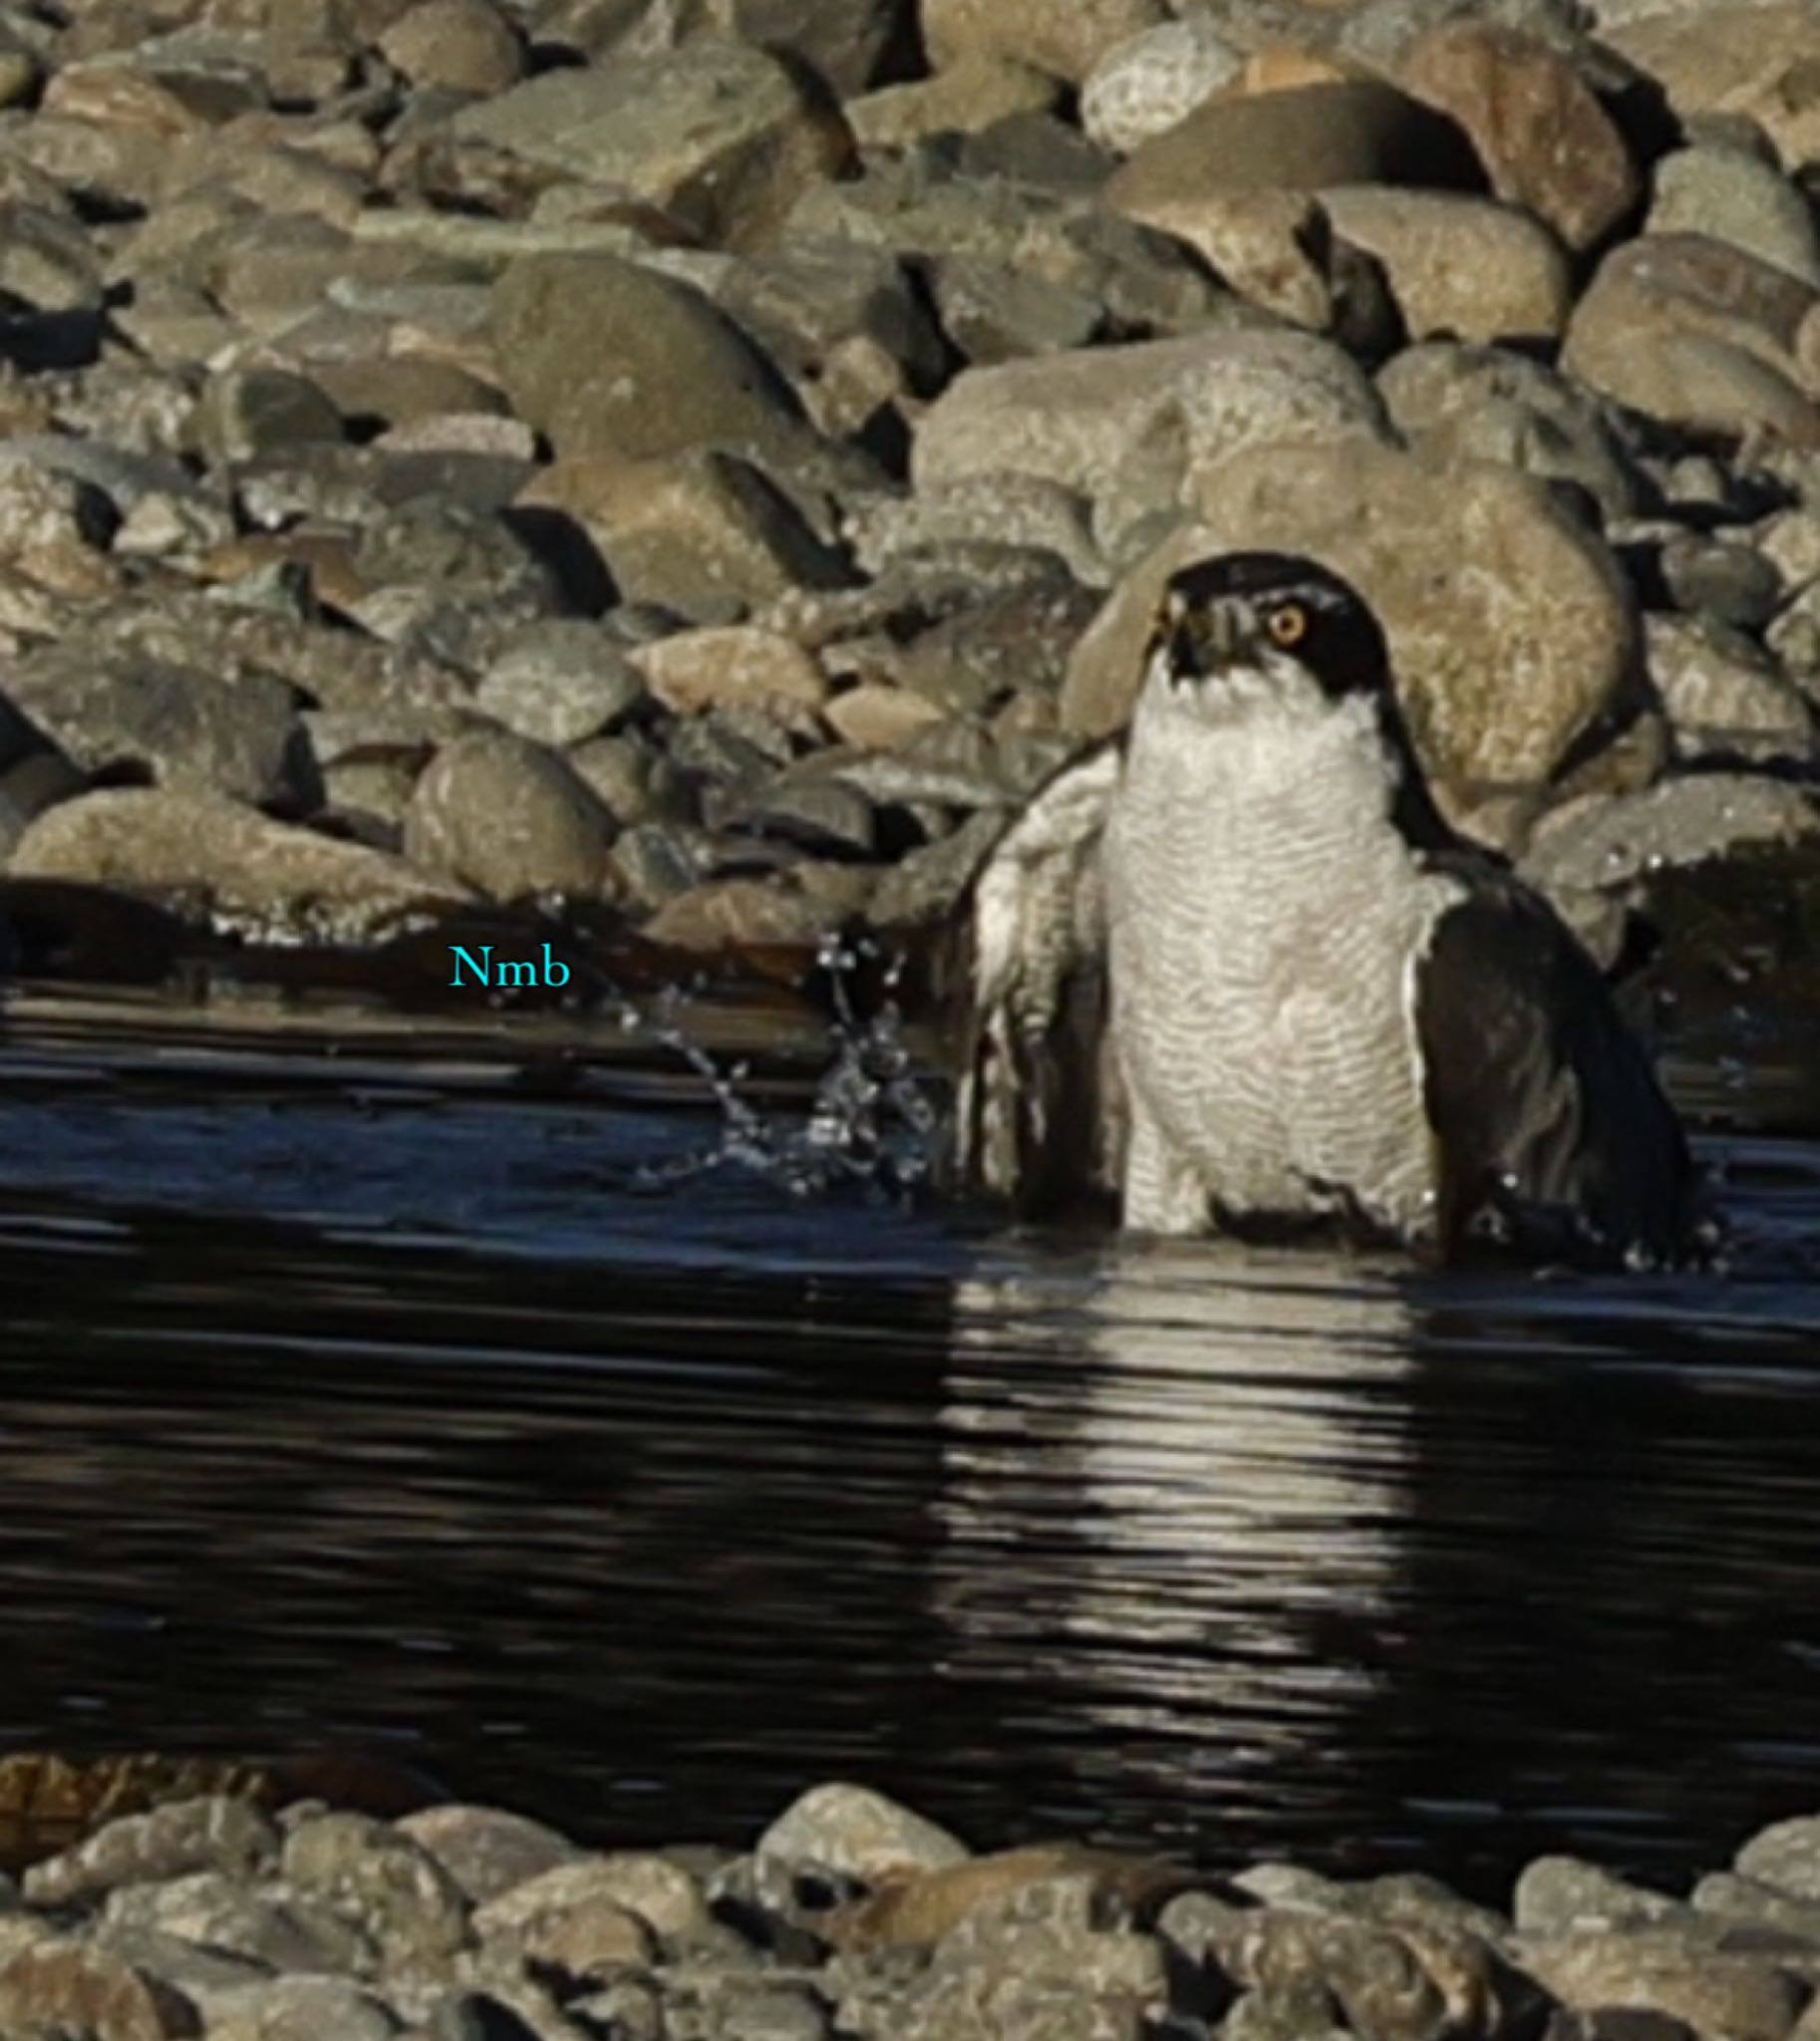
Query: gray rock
[656, 861]
[1724, 697]
[1368, 1973]
[238, 736]
[558, 682]
[302, 2009]
[994, 312]
[1475, 402]
[215, 1834]
[853, 1831]
[47, 261]
[30, 785]
[508, 818]
[214, 1910]
[1786, 1854]
[1595, 843]
[1754, 1903]
[381, 1880]
[248, 411]
[488, 1851]
[1728, 580]
[719, 135]
[478, 2016]
[633, 778]
[1732, 196]
[666, 1898]
[1666, 1971]
[1562, 1894]
[1147, 83]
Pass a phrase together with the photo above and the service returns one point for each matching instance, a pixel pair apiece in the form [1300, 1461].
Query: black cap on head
[1305, 609]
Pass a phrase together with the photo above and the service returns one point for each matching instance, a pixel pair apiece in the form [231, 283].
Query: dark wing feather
[1553, 1134]
[1038, 1119]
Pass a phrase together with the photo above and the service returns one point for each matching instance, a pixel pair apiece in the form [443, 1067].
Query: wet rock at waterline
[215, 1906]
[695, 464]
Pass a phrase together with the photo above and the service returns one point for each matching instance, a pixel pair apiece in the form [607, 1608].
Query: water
[426, 1394]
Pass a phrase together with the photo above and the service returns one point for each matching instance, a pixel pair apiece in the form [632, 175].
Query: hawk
[1234, 968]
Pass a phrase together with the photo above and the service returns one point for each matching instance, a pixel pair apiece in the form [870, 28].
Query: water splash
[874, 1121]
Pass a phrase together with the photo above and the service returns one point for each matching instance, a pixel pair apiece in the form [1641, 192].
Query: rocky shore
[852, 1917]
[704, 461]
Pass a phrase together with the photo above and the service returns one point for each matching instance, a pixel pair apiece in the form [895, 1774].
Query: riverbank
[698, 470]
[852, 1916]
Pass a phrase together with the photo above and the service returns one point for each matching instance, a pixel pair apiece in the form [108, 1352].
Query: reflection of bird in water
[1174, 1489]
[1234, 965]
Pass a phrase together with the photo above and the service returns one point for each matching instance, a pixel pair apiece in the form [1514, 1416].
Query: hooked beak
[1206, 639]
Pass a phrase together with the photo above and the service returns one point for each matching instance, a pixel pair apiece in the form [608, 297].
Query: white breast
[1266, 920]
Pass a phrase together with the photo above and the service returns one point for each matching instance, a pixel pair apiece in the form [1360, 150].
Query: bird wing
[1039, 1114]
[1551, 1129]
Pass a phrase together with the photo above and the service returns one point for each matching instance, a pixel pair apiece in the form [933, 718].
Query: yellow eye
[1288, 625]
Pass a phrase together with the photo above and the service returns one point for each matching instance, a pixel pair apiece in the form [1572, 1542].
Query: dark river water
[427, 1396]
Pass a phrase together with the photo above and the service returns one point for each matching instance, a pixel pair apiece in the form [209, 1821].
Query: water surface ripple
[432, 1398]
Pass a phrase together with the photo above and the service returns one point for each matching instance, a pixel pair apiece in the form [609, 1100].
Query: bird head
[1246, 630]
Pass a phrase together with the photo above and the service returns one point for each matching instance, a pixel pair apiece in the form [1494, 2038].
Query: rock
[559, 681]
[1458, 267]
[60, 1988]
[924, 885]
[301, 2009]
[975, 90]
[392, 1889]
[209, 1909]
[1497, 679]
[1563, 1895]
[856, 1832]
[1786, 1854]
[1010, 1884]
[214, 1834]
[247, 411]
[1465, 403]
[1698, 334]
[704, 534]
[610, 358]
[239, 736]
[992, 507]
[1724, 697]
[1751, 1901]
[664, 1898]
[718, 134]
[1594, 843]
[510, 819]
[735, 667]
[1731, 195]
[1538, 127]
[1371, 1973]
[737, 914]
[488, 1851]
[1745, 1999]
[992, 313]
[1144, 85]
[454, 45]
[1354, 132]
[1077, 418]
[876, 716]
[1736, 58]
[1066, 41]
[1720, 578]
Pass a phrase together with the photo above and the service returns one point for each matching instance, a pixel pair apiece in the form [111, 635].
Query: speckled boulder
[1152, 80]
[508, 818]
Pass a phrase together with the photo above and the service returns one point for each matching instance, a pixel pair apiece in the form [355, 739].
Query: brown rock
[63, 1988]
[111, 95]
[1066, 41]
[1285, 67]
[1538, 127]
[488, 1851]
[1699, 334]
[1509, 626]
[972, 92]
[730, 914]
[878, 716]
[244, 866]
[454, 45]
[609, 358]
[508, 818]
[646, 1889]
[1360, 132]
[1744, 1998]
[738, 666]
[1757, 58]
[702, 534]
[912, 1912]
[1269, 245]
[1458, 267]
